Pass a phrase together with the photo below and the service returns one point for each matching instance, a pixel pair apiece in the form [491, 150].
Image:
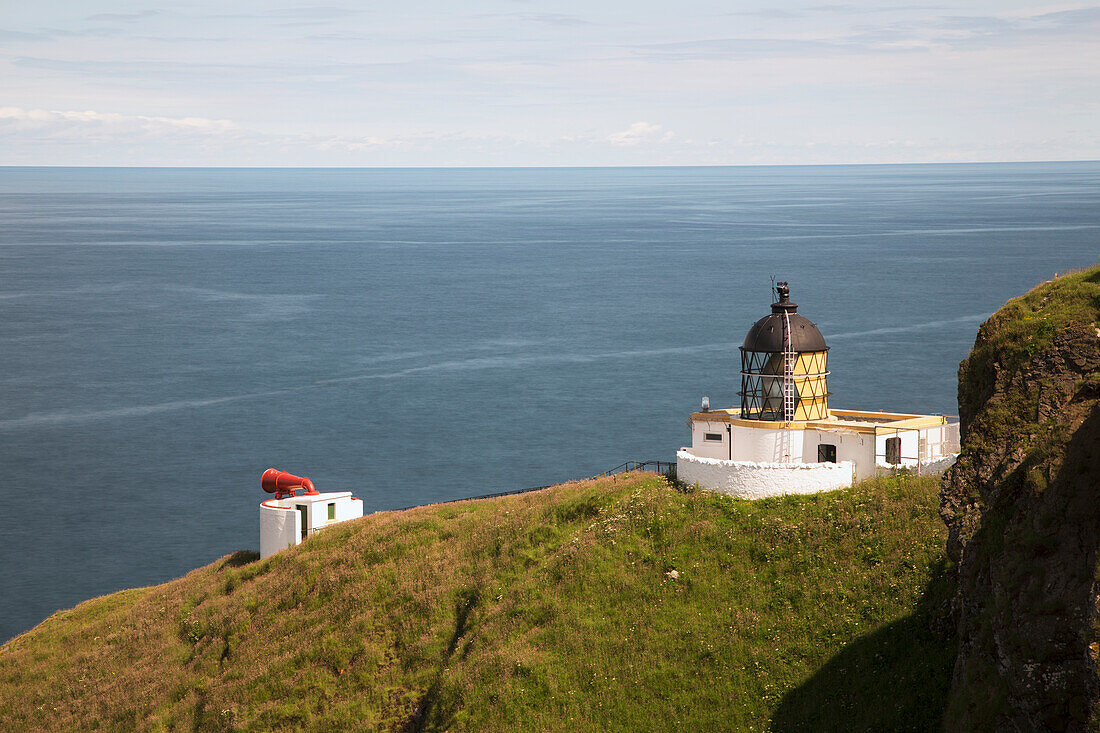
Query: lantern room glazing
[784, 366]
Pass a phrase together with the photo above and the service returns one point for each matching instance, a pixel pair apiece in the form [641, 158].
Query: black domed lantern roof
[768, 334]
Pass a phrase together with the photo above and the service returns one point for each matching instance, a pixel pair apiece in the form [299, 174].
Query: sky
[519, 82]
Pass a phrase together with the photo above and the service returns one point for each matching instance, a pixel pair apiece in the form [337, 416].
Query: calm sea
[418, 335]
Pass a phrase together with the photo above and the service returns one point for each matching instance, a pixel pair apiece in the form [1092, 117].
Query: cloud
[106, 129]
[772, 13]
[640, 132]
[354, 144]
[6, 35]
[442, 77]
[52, 34]
[956, 32]
[314, 13]
[308, 15]
[89, 137]
[556, 19]
[559, 19]
[739, 48]
[85, 136]
[92, 124]
[1070, 18]
[848, 9]
[960, 32]
[123, 17]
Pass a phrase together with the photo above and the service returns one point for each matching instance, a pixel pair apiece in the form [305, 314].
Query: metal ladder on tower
[789, 360]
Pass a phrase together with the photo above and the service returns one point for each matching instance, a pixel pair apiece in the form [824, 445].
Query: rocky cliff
[1022, 508]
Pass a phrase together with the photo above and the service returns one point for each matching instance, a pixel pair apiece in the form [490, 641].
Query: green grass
[553, 610]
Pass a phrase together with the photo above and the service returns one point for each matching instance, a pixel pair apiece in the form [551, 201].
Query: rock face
[1022, 508]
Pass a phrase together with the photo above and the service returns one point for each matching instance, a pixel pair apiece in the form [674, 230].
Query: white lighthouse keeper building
[784, 438]
[289, 518]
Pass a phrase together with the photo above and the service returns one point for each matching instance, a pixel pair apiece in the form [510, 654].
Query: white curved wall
[752, 480]
[280, 528]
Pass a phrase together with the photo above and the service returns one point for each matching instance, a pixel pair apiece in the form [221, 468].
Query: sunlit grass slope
[554, 610]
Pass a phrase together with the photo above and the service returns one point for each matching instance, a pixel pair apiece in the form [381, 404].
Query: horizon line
[542, 166]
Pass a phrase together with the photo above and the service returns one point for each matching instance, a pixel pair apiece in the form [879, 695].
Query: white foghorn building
[784, 438]
[289, 518]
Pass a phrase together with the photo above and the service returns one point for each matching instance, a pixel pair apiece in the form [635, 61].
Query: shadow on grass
[896, 678]
[240, 558]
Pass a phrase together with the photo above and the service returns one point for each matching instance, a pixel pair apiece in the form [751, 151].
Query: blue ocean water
[418, 335]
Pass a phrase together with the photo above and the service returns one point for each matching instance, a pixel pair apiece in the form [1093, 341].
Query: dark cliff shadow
[896, 678]
[1027, 586]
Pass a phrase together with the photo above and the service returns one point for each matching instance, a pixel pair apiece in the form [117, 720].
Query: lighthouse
[784, 366]
[784, 438]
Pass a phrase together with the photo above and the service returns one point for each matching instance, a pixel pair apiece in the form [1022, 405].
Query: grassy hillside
[618, 604]
[1024, 328]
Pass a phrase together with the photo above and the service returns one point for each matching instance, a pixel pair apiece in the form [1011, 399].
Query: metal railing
[495, 494]
[665, 467]
[658, 466]
[948, 443]
[928, 451]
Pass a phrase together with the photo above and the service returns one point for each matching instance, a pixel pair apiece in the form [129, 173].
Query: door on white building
[304, 511]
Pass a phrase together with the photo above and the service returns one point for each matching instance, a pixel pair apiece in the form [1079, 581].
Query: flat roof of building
[292, 501]
[860, 421]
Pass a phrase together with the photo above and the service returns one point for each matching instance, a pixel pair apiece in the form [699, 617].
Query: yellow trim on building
[913, 423]
[879, 416]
